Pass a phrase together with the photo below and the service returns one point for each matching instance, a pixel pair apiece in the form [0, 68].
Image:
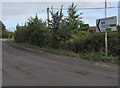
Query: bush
[101, 56]
[33, 32]
[96, 43]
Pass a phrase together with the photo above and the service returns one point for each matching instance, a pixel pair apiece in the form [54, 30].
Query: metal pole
[105, 8]
[48, 15]
[106, 45]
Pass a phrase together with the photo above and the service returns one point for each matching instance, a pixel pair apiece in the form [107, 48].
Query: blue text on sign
[103, 22]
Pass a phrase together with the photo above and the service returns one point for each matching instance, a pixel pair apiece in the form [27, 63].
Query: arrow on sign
[98, 25]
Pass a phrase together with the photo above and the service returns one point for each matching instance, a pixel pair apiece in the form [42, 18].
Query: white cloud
[22, 18]
[89, 17]
[19, 12]
[15, 8]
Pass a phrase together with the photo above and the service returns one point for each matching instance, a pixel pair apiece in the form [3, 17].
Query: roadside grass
[45, 49]
[10, 40]
[99, 56]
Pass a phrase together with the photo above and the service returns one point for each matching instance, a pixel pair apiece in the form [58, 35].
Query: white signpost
[106, 24]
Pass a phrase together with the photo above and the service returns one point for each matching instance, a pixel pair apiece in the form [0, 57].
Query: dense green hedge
[95, 43]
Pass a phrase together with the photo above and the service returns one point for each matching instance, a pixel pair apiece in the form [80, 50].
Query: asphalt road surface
[27, 67]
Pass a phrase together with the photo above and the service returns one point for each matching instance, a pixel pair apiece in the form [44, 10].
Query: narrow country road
[26, 67]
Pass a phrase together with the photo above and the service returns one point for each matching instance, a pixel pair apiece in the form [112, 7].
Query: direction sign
[106, 24]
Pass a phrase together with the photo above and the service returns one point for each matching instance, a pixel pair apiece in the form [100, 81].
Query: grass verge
[99, 56]
[45, 49]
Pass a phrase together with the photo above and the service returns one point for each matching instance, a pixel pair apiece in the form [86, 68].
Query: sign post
[106, 25]
[106, 47]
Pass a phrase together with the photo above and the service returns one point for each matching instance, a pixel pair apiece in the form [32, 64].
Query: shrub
[95, 43]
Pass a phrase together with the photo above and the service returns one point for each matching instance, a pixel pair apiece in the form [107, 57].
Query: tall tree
[2, 26]
[73, 19]
[55, 22]
[69, 25]
[34, 32]
[3, 30]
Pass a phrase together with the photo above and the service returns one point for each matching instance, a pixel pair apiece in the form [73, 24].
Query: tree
[70, 24]
[3, 30]
[73, 19]
[71, 27]
[54, 24]
[20, 33]
[2, 26]
[33, 32]
[36, 31]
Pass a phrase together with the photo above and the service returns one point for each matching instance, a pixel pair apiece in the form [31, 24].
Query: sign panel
[106, 24]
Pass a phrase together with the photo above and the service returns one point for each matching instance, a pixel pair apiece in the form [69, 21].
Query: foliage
[33, 32]
[69, 26]
[69, 34]
[73, 20]
[4, 33]
[95, 43]
[101, 56]
[55, 22]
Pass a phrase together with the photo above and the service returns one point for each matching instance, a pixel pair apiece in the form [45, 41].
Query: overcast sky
[18, 12]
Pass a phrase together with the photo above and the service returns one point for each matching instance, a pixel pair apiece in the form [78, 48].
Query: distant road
[26, 67]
